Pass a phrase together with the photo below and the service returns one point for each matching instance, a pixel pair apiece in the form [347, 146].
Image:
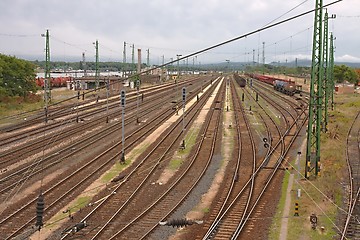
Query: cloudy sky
[171, 27]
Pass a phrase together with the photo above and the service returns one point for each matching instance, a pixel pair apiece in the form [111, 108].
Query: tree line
[17, 76]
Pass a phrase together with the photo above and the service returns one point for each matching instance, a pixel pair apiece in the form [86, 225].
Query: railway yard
[205, 157]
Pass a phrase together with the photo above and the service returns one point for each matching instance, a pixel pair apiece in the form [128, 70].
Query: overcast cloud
[170, 27]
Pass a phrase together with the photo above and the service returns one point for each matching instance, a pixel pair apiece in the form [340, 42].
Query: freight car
[240, 80]
[282, 85]
[286, 87]
[55, 82]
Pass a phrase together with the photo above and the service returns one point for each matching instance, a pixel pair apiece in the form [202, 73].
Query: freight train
[240, 80]
[54, 82]
[282, 85]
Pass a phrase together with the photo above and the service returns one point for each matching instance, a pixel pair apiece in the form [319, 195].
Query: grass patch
[80, 203]
[114, 171]
[190, 141]
[333, 171]
[206, 210]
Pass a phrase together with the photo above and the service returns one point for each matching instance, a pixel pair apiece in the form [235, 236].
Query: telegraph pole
[316, 96]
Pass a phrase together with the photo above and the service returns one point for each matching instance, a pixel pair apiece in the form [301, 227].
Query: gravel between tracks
[98, 185]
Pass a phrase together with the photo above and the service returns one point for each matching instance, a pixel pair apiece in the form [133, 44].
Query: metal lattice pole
[325, 117]
[47, 78]
[331, 71]
[313, 132]
[97, 73]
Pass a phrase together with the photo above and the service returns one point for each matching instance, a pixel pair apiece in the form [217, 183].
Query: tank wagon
[288, 88]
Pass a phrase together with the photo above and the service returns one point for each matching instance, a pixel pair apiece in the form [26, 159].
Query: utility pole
[316, 97]
[263, 54]
[97, 73]
[133, 54]
[331, 71]
[47, 79]
[253, 57]
[124, 61]
[139, 62]
[84, 63]
[325, 69]
[177, 80]
[148, 58]
[228, 64]
[263, 57]
[327, 74]
[124, 53]
[193, 65]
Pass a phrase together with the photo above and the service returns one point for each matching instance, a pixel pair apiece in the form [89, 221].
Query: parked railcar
[288, 88]
[240, 80]
[282, 85]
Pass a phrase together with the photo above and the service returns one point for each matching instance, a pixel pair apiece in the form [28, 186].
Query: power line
[19, 35]
[248, 34]
[287, 12]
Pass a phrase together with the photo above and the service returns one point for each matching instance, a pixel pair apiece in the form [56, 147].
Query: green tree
[17, 76]
[344, 73]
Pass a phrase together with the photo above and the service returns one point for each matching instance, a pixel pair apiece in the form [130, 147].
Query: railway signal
[137, 100]
[107, 99]
[184, 102]
[123, 102]
[40, 206]
[266, 144]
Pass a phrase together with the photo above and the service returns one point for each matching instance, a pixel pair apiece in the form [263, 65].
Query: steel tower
[316, 97]
[97, 73]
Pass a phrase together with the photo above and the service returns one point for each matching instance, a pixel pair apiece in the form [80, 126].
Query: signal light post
[137, 100]
[123, 102]
[183, 117]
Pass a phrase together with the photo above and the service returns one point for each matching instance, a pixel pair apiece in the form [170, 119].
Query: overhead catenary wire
[213, 47]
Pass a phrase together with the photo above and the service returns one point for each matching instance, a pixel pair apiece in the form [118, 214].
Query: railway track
[351, 228]
[87, 174]
[55, 138]
[262, 178]
[136, 219]
[241, 187]
[72, 113]
[13, 177]
[130, 222]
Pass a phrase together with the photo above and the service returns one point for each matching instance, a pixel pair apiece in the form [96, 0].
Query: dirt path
[286, 213]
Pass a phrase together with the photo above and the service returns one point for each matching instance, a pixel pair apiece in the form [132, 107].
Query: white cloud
[183, 26]
[347, 58]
